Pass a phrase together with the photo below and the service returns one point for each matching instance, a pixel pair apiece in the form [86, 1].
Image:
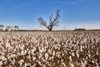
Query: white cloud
[68, 3]
[89, 26]
[95, 25]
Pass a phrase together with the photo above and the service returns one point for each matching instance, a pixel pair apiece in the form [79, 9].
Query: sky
[73, 13]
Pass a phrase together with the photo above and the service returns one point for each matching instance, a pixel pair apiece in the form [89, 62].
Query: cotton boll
[56, 47]
[22, 47]
[22, 52]
[64, 64]
[25, 52]
[8, 45]
[46, 42]
[21, 62]
[77, 54]
[13, 55]
[50, 58]
[5, 62]
[3, 54]
[46, 56]
[81, 48]
[97, 51]
[2, 58]
[29, 52]
[82, 64]
[53, 53]
[49, 51]
[33, 50]
[1, 63]
[58, 54]
[70, 58]
[29, 57]
[73, 54]
[42, 49]
[13, 61]
[71, 64]
[89, 55]
[34, 58]
[97, 65]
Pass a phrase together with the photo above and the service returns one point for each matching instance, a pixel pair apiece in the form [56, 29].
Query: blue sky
[74, 13]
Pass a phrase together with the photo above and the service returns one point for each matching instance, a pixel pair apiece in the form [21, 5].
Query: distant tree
[11, 28]
[8, 28]
[1, 27]
[52, 23]
[80, 29]
[16, 27]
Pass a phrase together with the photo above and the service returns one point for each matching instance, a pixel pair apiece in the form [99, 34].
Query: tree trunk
[50, 29]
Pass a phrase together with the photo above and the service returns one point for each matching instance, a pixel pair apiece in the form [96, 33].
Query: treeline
[9, 28]
[80, 29]
[83, 29]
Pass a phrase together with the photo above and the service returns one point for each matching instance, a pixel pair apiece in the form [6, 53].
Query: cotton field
[49, 49]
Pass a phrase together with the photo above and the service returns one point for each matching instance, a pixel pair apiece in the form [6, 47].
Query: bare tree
[53, 22]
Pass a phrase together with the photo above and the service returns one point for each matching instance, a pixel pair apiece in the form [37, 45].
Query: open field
[50, 49]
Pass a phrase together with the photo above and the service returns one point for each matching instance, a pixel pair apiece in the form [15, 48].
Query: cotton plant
[53, 49]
